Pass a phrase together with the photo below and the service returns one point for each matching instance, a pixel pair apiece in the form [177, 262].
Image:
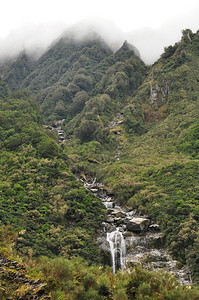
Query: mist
[151, 42]
[35, 39]
[31, 38]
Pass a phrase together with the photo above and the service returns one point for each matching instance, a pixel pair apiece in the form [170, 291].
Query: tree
[60, 108]
[79, 102]
[48, 148]
[85, 132]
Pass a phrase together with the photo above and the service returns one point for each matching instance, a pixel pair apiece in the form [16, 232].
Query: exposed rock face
[145, 248]
[138, 224]
[12, 274]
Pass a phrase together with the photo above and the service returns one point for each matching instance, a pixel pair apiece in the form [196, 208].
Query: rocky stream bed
[129, 238]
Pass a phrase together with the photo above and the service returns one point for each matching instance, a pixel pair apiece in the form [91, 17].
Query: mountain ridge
[131, 126]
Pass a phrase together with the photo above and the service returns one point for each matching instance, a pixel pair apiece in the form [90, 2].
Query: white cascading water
[109, 205]
[117, 249]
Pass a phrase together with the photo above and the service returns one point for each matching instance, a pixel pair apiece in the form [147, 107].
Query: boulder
[94, 190]
[109, 199]
[138, 224]
[131, 213]
[154, 227]
[118, 221]
[110, 220]
[118, 214]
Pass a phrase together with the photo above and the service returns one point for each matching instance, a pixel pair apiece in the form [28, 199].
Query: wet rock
[124, 227]
[138, 224]
[109, 193]
[94, 190]
[118, 221]
[110, 220]
[118, 214]
[109, 199]
[154, 227]
[131, 213]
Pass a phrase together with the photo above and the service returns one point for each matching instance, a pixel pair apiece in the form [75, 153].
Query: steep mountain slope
[64, 77]
[4, 91]
[109, 96]
[13, 72]
[136, 132]
[157, 138]
[40, 197]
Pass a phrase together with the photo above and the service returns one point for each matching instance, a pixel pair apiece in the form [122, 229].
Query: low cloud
[151, 42]
[35, 39]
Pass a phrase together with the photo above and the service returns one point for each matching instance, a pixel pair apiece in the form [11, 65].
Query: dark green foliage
[75, 280]
[14, 73]
[19, 123]
[87, 84]
[169, 51]
[171, 196]
[3, 90]
[65, 69]
[132, 126]
[119, 81]
[70, 67]
[86, 130]
[159, 121]
[78, 102]
[39, 195]
[190, 141]
[48, 148]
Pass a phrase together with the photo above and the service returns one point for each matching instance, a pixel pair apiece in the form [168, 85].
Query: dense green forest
[110, 102]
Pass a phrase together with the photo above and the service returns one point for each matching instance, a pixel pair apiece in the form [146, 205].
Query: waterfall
[117, 249]
[109, 205]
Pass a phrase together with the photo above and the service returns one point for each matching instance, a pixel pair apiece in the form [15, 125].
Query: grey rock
[138, 224]
[118, 214]
[94, 190]
[110, 220]
[154, 227]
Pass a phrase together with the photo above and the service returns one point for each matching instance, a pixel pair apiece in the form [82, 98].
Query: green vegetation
[71, 279]
[170, 197]
[54, 218]
[39, 195]
[158, 141]
[190, 141]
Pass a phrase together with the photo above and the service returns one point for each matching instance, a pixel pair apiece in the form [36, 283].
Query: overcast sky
[45, 19]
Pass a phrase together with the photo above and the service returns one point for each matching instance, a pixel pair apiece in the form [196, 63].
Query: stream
[126, 236]
[131, 239]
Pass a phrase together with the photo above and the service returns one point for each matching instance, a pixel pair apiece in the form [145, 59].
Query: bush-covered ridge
[156, 174]
[39, 195]
[158, 134]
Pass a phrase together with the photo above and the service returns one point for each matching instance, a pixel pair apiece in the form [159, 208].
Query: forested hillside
[157, 137]
[133, 127]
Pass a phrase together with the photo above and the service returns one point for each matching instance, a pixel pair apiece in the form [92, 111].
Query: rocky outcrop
[142, 237]
[56, 126]
[16, 285]
[138, 224]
